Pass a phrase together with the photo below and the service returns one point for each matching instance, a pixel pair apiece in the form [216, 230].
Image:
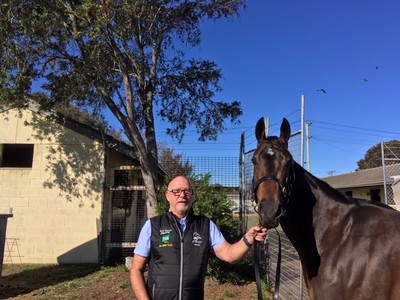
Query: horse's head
[273, 174]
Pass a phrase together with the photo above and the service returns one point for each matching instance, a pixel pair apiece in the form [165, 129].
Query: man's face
[179, 196]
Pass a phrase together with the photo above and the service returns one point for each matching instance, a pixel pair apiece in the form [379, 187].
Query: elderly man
[176, 246]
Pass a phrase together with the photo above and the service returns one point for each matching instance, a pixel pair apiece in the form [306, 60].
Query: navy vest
[178, 261]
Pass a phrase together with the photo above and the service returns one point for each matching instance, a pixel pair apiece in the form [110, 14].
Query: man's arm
[137, 277]
[233, 253]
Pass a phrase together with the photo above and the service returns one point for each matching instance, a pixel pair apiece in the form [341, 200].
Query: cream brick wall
[56, 203]
[364, 193]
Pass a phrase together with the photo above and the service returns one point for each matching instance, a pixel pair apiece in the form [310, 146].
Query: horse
[349, 248]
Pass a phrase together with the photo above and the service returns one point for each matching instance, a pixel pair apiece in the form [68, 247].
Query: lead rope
[257, 270]
[278, 268]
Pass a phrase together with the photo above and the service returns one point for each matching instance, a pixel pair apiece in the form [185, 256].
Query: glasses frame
[177, 192]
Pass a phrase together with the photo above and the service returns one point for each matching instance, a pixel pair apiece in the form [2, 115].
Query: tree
[173, 163]
[124, 55]
[373, 157]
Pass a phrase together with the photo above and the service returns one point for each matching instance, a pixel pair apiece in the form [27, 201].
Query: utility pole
[303, 105]
[267, 126]
[308, 138]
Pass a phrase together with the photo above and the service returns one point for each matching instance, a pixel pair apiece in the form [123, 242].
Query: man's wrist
[246, 241]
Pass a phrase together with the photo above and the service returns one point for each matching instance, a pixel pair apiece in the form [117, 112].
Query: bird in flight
[321, 90]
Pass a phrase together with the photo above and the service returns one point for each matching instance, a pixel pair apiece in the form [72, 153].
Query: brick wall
[56, 203]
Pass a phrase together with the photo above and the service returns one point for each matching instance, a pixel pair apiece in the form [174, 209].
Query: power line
[358, 128]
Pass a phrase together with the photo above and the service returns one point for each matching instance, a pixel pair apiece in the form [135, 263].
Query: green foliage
[124, 56]
[173, 163]
[125, 285]
[229, 294]
[72, 284]
[373, 157]
[127, 56]
[212, 201]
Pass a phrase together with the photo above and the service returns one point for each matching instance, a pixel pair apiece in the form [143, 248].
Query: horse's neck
[308, 215]
[313, 195]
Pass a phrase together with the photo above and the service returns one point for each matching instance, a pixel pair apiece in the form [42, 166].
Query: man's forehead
[177, 183]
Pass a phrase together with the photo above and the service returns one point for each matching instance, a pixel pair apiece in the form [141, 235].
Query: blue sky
[277, 51]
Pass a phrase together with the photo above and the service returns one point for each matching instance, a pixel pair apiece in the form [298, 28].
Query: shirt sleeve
[143, 244]
[216, 237]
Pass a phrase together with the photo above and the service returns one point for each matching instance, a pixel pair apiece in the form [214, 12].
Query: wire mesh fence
[124, 212]
[291, 281]
[391, 174]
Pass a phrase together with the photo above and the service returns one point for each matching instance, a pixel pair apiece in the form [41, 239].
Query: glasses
[177, 192]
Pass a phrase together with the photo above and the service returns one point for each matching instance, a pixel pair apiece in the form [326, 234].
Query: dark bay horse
[349, 248]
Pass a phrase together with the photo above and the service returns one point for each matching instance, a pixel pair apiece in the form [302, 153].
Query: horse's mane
[333, 193]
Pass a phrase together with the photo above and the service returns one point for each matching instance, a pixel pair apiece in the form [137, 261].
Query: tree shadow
[20, 279]
[74, 162]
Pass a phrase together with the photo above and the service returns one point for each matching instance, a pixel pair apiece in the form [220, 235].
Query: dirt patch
[92, 282]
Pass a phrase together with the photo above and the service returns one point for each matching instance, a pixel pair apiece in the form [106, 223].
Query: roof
[362, 178]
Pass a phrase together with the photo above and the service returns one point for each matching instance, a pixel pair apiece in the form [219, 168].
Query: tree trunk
[151, 199]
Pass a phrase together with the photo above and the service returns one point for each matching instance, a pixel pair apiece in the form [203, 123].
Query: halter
[285, 188]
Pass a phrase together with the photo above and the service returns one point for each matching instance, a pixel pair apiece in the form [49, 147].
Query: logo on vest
[197, 240]
[165, 231]
[165, 238]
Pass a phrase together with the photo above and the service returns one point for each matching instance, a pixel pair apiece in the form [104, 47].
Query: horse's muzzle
[269, 212]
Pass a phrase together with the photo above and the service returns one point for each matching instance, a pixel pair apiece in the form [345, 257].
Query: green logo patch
[165, 239]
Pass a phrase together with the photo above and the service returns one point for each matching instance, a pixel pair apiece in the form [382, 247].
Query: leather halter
[285, 188]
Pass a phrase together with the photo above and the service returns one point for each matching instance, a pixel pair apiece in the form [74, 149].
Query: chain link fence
[391, 174]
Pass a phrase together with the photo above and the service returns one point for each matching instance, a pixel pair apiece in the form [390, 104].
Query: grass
[63, 281]
[252, 220]
[71, 282]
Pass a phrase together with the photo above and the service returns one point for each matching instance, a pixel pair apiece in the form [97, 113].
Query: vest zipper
[181, 271]
[178, 226]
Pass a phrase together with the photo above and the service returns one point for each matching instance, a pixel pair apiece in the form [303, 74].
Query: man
[176, 245]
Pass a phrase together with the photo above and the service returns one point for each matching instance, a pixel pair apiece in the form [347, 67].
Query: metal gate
[125, 213]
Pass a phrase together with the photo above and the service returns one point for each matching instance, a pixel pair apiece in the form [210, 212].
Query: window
[375, 195]
[349, 193]
[16, 155]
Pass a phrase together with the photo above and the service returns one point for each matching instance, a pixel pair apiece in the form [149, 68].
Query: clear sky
[276, 51]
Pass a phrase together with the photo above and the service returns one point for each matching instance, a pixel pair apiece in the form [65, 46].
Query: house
[76, 193]
[369, 184]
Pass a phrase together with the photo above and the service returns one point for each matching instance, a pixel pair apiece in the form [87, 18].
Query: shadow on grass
[23, 279]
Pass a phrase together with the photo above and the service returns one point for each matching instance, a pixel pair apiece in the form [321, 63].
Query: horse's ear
[260, 130]
[285, 132]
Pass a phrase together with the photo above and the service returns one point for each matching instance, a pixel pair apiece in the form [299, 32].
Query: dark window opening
[121, 178]
[16, 155]
[376, 195]
[349, 193]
